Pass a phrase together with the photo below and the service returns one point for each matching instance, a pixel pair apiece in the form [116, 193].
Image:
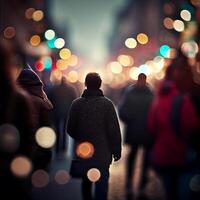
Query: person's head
[93, 81]
[141, 79]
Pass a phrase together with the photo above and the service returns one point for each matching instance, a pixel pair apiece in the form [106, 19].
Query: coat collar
[92, 93]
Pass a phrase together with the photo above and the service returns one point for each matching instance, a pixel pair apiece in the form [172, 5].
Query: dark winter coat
[93, 118]
[133, 112]
[31, 83]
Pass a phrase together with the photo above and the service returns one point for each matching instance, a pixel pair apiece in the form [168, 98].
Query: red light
[39, 66]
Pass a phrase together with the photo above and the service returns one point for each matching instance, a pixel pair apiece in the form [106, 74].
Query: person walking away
[93, 121]
[133, 110]
[32, 84]
[61, 96]
[171, 120]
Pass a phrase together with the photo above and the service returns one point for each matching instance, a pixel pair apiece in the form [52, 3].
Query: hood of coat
[30, 81]
[92, 93]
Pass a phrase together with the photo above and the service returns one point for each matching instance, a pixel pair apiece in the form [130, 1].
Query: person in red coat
[172, 155]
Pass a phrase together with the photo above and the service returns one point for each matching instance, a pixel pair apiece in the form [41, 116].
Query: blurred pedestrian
[133, 111]
[32, 84]
[61, 95]
[15, 114]
[93, 120]
[171, 119]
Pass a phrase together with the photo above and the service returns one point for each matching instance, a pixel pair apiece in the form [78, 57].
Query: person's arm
[72, 121]
[113, 131]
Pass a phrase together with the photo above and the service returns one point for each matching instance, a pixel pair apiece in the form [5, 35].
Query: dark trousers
[176, 182]
[101, 187]
[130, 167]
[61, 135]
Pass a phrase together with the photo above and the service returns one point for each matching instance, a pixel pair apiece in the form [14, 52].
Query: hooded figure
[31, 83]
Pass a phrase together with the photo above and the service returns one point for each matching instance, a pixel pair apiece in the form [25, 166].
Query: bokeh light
[164, 51]
[35, 40]
[115, 67]
[62, 64]
[178, 25]
[39, 65]
[134, 72]
[9, 138]
[49, 34]
[59, 43]
[72, 76]
[45, 137]
[29, 13]
[62, 177]
[144, 69]
[21, 166]
[185, 15]
[38, 15]
[93, 174]
[190, 48]
[168, 23]
[85, 150]
[142, 38]
[47, 62]
[40, 178]
[131, 43]
[65, 53]
[56, 75]
[125, 60]
[73, 60]
[9, 32]
[51, 43]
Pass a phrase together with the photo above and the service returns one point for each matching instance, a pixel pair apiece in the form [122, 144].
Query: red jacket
[170, 149]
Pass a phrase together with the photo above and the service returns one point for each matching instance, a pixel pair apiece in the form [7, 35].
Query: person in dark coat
[15, 114]
[32, 84]
[93, 119]
[61, 96]
[133, 111]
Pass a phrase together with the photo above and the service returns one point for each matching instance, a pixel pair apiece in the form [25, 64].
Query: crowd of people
[164, 122]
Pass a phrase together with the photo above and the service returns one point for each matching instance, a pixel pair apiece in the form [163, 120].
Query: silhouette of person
[133, 110]
[93, 119]
[61, 95]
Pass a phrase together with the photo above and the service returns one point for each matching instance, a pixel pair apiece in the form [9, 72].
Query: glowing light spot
[178, 25]
[9, 138]
[47, 61]
[125, 60]
[144, 69]
[115, 67]
[72, 76]
[49, 34]
[59, 43]
[56, 75]
[65, 53]
[21, 166]
[185, 15]
[164, 51]
[35, 40]
[142, 38]
[85, 150]
[195, 183]
[40, 178]
[93, 174]
[29, 13]
[62, 177]
[45, 137]
[190, 49]
[50, 43]
[134, 72]
[39, 65]
[9, 32]
[131, 43]
[73, 60]
[62, 64]
[159, 63]
[168, 23]
[38, 15]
